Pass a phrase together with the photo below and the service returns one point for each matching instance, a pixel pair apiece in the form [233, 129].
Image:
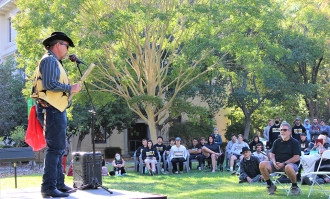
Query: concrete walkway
[99, 193]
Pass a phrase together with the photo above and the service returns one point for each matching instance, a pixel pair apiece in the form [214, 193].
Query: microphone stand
[94, 183]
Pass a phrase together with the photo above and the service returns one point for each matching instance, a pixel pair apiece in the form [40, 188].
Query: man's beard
[283, 137]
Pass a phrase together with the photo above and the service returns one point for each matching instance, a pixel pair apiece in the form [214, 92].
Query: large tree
[306, 36]
[248, 35]
[13, 105]
[148, 48]
[141, 48]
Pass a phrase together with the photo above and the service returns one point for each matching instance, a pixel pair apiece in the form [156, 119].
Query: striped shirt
[51, 74]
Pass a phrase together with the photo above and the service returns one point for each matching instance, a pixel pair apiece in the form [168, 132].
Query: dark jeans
[56, 123]
[177, 160]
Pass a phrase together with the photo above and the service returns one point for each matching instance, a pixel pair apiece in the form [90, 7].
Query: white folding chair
[278, 174]
[325, 155]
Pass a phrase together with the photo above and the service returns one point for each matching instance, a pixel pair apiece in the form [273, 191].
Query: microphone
[74, 58]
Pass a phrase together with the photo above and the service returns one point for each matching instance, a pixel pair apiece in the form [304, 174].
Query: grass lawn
[196, 184]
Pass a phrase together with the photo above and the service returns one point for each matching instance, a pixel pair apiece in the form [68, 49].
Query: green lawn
[196, 184]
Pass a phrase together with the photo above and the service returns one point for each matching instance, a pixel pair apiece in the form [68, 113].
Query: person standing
[267, 128]
[51, 91]
[298, 129]
[307, 126]
[315, 129]
[217, 136]
[274, 132]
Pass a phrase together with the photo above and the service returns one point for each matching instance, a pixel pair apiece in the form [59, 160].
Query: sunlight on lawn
[196, 185]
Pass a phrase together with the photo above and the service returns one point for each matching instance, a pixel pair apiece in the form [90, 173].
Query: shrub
[237, 128]
[109, 152]
[189, 130]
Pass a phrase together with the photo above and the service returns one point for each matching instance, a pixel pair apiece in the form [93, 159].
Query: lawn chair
[277, 176]
[136, 162]
[325, 155]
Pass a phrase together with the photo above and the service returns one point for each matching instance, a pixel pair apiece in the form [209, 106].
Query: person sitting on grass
[178, 155]
[149, 156]
[105, 170]
[119, 165]
[259, 153]
[249, 167]
[211, 151]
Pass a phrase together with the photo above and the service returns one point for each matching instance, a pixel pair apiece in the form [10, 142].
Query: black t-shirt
[168, 148]
[213, 147]
[150, 153]
[274, 132]
[297, 130]
[304, 145]
[253, 144]
[194, 148]
[285, 150]
[139, 150]
[160, 148]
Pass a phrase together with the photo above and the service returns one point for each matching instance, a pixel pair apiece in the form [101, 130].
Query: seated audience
[284, 156]
[236, 150]
[194, 151]
[202, 142]
[325, 166]
[259, 153]
[168, 148]
[105, 170]
[211, 151]
[319, 145]
[249, 167]
[140, 149]
[254, 142]
[178, 155]
[119, 165]
[228, 149]
[160, 147]
[304, 144]
[149, 156]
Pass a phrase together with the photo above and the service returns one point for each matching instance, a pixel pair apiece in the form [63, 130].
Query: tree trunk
[151, 122]
[247, 125]
[153, 131]
[80, 139]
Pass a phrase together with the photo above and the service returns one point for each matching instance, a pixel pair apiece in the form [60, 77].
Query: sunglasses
[64, 44]
[284, 130]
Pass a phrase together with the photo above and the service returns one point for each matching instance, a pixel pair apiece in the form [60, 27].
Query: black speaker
[83, 168]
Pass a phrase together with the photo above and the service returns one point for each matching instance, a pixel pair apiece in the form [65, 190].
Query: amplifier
[83, 164]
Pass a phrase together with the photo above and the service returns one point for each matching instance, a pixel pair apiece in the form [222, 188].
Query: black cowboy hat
[58, 36]
[245, 149]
